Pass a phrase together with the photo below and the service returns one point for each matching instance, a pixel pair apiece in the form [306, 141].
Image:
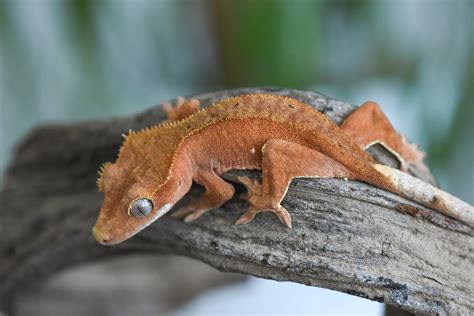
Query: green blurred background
[71, 60]
[74, 60]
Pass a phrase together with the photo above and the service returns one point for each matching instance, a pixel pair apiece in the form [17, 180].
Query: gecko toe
[245, 196]
[247, 217]
[182, 212]
[248, 183]
[180, 101]
[283, 215]
[195, 215]
[279, 211]
[167, 106]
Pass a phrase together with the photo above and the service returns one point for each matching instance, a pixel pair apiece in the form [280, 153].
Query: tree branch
[347, 235]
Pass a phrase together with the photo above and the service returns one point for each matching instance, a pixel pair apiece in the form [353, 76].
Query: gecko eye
[141, 207]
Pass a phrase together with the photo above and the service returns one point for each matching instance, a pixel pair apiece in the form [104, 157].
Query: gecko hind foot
[260, 203]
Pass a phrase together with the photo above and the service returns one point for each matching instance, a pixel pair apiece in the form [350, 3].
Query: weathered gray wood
[123, 286]
[347, 236]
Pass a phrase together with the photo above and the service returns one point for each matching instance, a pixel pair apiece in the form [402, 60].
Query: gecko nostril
[104, 238]
[99, 236]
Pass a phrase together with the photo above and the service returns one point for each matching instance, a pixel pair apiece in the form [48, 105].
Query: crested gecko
[281, 136]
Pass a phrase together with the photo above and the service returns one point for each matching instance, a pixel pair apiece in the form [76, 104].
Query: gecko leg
[282, 162]
[182, 109]
[217, 193]
[368, 125]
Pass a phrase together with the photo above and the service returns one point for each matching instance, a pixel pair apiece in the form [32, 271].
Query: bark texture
[347, 236]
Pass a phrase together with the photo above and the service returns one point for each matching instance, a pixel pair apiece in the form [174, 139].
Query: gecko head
[130, 204]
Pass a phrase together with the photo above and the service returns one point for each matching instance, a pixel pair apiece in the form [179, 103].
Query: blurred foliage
[81, 59]
[462, 128]
[268, 42]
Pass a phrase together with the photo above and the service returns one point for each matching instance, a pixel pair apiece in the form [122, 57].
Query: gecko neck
[181, 178]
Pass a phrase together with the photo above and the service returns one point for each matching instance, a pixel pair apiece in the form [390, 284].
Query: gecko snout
[101, 238]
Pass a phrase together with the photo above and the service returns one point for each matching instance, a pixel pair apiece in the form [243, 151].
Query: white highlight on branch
[429, 196]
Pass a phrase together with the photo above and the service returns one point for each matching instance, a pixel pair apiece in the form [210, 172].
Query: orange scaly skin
[278, 135]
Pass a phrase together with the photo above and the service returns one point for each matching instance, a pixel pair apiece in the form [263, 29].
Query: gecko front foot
[259, 202]
[217, 193]
[185, 210]
[191, 211]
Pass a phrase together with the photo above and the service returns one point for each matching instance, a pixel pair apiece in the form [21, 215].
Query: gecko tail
[427, 195]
